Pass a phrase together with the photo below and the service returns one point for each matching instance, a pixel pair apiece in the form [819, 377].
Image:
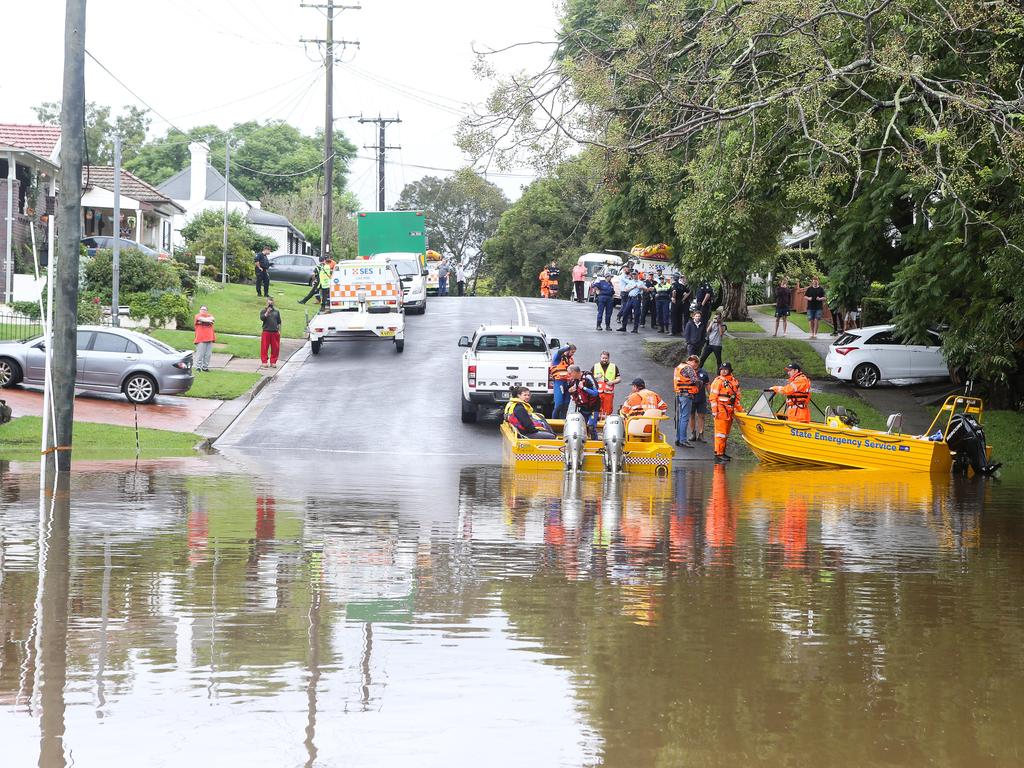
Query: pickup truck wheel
[468, 412]
[314, 346]
[399, 345]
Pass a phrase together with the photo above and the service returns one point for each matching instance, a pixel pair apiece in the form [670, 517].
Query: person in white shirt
[460, 278]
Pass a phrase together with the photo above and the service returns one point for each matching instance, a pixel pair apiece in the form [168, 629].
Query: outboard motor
[614, 443]
[966, 441]
[574, 435]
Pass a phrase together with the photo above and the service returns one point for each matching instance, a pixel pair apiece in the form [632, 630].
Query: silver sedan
[110, 360]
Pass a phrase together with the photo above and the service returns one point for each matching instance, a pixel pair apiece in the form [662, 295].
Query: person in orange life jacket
[543, 277]
[607, 375]
[798, 394]
[559, 366]
[687, 384]
[584, 392]
[642, 399]
[204, 338]
[522, 417]
[725, 401]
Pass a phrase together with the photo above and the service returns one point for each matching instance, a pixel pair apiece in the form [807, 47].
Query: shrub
[756, 293]
[160, 306]
[139, 273]
[29, 309]
[90, 311]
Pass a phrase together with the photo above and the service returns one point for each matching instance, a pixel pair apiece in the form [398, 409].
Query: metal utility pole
[227, 186]
[329, 42]
[72, 141]
[382, 148]
[115, 289]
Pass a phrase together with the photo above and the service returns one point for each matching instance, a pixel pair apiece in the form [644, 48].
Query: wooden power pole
[382, 148]
[69, 217]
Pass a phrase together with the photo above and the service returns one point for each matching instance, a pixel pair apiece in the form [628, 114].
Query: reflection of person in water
[791, 533]
[266, 510]
[719, 520]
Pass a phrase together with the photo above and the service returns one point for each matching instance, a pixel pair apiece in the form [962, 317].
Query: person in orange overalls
[724, 398]
[545, 291]
[798, 394]
[642, 399]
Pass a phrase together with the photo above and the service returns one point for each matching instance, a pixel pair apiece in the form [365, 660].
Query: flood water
[197, 613]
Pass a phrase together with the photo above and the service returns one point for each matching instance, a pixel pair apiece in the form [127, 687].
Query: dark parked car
[292, 268]
[109, 360]
[93, 244]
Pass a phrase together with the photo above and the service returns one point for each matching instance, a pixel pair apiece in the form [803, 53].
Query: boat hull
[776, 441]
[641, 457]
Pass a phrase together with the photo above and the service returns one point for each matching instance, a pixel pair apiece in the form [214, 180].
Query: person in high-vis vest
[321, 284]
[686, 384]
[543, 277]
[607, 375]
[559, 373]
[641, 400]
[724, 398]
[521, 416]
[797, 392]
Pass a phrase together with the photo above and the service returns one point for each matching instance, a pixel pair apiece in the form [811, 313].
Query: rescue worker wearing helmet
[725, 402]
[797, 392]
[584, 392]
[642, 399]
[522, 417]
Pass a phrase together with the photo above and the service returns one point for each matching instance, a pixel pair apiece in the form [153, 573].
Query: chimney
[197, 179]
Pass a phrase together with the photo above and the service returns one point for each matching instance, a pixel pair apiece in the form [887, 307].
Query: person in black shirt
[680, 299]
[783, 303]
[815, 305]
[262, 264]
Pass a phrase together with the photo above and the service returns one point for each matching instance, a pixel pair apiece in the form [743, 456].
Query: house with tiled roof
[29, 160]
[147, 215]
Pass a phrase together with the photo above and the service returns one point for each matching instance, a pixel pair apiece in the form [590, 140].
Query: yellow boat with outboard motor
[955, 436]
[645, 449]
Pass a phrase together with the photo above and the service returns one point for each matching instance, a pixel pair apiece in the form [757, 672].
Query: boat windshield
[762, 408]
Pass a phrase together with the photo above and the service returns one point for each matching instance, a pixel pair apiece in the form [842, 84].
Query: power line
[133, 93]
[321, 164]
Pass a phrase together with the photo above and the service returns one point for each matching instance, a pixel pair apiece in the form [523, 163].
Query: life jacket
[510, 415]
[686, 381]
[799, 396]
[560, 371]
[725, 393]
[642, 401]
[585, 400]
[604, 376]
[662, 291]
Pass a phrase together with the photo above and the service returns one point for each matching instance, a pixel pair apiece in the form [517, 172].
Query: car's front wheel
[866, 375]
[140, 388]
[10, 372]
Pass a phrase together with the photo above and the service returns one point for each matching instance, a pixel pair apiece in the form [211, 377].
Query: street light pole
[115, 289]
[227, 186]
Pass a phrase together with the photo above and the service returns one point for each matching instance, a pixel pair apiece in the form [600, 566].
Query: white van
[366, 303]
[413, 271]
[597, 264]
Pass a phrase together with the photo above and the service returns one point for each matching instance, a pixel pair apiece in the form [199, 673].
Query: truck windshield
[595, 268]
[406, 267]
[513, 342]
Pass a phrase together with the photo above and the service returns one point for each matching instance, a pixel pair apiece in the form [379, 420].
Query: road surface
[364, 398]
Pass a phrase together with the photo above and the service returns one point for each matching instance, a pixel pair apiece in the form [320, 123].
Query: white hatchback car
[867, 356]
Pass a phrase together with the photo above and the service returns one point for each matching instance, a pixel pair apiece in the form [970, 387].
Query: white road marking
[523, 315]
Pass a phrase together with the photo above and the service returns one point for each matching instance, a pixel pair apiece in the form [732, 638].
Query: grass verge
[744, 326]
[1004, 431]
[757, 358]
[222, 385]
[19, 441]
[237, 309]
[795, 318]
[239, 346]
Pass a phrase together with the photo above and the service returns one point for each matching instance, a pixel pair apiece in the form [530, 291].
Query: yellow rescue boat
[645, 449]
[839, 442]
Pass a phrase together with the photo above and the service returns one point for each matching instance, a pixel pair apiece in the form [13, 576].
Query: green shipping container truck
[391, 232]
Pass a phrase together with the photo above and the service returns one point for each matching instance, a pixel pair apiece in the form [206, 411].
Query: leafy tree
[304, 209]
[138, 273]
[205, 233]
[462, 212]
[548, 223]
[158, 160]
[131, 124]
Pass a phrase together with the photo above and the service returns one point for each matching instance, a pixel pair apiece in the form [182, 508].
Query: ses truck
[399, 237]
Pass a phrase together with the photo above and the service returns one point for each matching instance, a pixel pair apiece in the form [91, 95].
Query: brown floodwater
[203, 612]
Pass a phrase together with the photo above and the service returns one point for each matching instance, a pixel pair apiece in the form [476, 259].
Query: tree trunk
[734, 299]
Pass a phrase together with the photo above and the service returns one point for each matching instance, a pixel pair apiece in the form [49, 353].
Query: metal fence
[18, 327]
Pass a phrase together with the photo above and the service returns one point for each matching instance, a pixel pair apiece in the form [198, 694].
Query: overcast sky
[226, 61]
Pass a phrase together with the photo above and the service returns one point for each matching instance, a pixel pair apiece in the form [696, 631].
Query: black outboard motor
[966, 440]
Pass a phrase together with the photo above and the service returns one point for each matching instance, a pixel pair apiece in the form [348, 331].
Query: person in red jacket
[204, 338]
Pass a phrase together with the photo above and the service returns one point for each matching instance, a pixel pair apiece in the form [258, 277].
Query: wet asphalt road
[364, 398]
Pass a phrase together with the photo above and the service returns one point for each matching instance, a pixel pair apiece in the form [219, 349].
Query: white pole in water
[48, 354]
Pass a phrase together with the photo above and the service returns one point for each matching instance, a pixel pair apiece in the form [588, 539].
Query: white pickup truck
[501, 356]
[365, 303]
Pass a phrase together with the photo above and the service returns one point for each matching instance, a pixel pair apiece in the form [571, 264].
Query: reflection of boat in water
[645, 450]
[839, 442]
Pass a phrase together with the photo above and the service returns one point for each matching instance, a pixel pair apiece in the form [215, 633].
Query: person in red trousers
[270, 341]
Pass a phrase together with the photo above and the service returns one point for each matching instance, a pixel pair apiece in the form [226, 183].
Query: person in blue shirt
[605, 296]
[630, 288]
